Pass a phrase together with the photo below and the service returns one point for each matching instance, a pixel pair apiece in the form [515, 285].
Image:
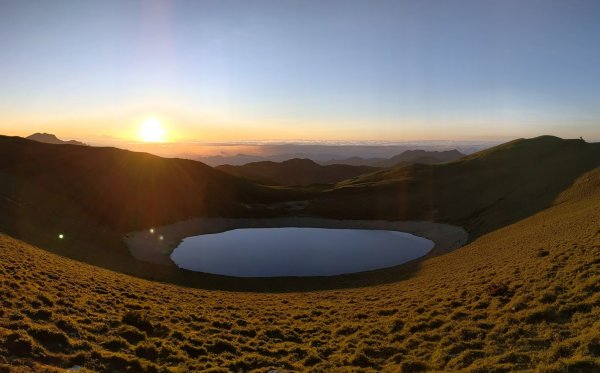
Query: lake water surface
[269, 252]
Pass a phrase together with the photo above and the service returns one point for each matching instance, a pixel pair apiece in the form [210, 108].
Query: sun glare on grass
[152, 131]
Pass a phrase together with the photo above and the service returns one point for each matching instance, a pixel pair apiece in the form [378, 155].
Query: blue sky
[279, 69]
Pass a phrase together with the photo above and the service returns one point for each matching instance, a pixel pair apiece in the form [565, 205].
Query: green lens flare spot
[61, 236]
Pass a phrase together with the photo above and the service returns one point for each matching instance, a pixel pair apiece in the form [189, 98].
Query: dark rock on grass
[543, 253]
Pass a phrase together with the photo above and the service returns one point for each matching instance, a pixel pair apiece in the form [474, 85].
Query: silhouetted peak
[52, 139]
[300, 162]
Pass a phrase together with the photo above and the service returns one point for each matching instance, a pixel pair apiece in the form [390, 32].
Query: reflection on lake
[268, 252]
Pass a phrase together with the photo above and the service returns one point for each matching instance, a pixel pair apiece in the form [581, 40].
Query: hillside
[481, 192]
[47, 190]
[295, 172]
[421, 157]
[521, 298]
[93, 196]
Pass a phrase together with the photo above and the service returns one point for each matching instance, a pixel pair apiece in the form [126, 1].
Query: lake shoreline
[155, 245]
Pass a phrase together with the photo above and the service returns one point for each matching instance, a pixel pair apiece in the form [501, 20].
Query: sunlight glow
[152, 131]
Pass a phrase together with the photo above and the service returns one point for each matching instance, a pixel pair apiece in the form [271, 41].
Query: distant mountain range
[306, 171]
[406, 157]
[49, 138]
[296, 172]
[357, 155]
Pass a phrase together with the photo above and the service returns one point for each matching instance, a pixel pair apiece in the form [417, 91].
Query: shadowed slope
[295, 172]
[450, 316]
[404, 158]
[127, 190]
[93, 196]
[421, 157]
[481, 192]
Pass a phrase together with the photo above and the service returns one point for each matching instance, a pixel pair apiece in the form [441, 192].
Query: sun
[152, 131]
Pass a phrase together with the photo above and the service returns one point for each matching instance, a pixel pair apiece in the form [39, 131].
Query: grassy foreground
[523, 297]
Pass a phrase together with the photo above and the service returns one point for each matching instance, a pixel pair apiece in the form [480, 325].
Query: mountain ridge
[480, 192]
[295, 171]
[52, 139]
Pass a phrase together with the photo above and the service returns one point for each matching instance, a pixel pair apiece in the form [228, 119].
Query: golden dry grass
[525, 297]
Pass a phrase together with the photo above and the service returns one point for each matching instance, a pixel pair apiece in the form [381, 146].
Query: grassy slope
[127, 190]
[50, 189]
[482, 192]
[421, 156]
[95, 195]
[57, 312]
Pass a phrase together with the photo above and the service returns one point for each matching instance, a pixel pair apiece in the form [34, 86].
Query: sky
[324, 70]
